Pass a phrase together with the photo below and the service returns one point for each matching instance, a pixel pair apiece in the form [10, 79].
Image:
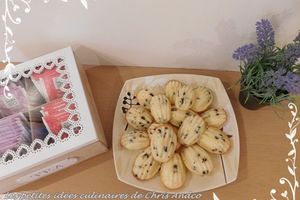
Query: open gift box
[48, 120]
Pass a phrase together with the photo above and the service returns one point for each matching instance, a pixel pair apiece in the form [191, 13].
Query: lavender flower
[283, 80]
[272, 71]
[291, 54]
[247, 53]
[265, 33]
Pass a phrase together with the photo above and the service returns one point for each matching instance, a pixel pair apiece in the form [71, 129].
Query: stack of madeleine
[176, 130]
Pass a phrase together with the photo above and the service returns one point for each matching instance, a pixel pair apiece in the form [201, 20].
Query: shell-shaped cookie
[139, 118]
[197, 160]
[152, 129]
[173, 173]
[215, 117]
[144, 97]
[172, 88]
[203, 99]
[185, 98]
[178, 116]
[214, 141]
[160, 108]
[145, 167]
[163, 143]
[191, 129]
[135, 139]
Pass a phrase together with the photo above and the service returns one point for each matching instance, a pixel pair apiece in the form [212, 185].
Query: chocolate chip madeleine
[214, 141]
[215, 117]
[203, 99]
[163, 143]
[139, 118]
[197, 160]
[144, 97]
[185, 98]
[173, 172]
[145, 167]
[160, 108]
[191, 129]
[172, 88]
[135, 139]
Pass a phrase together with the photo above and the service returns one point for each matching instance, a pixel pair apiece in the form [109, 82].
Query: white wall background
[168, 33]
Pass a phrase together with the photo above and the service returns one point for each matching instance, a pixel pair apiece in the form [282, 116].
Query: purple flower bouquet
[269, 74]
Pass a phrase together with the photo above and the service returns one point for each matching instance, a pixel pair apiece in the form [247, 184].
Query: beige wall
[177, 33]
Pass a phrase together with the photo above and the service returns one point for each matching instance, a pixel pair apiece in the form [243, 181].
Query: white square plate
[226, 166]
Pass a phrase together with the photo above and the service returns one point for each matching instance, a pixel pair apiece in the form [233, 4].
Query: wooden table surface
[263, 145]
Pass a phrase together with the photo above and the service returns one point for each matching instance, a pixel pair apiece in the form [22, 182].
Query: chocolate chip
[181, 100]
[165, 148]
[145, 156]
[165, 134]
[173, 109]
